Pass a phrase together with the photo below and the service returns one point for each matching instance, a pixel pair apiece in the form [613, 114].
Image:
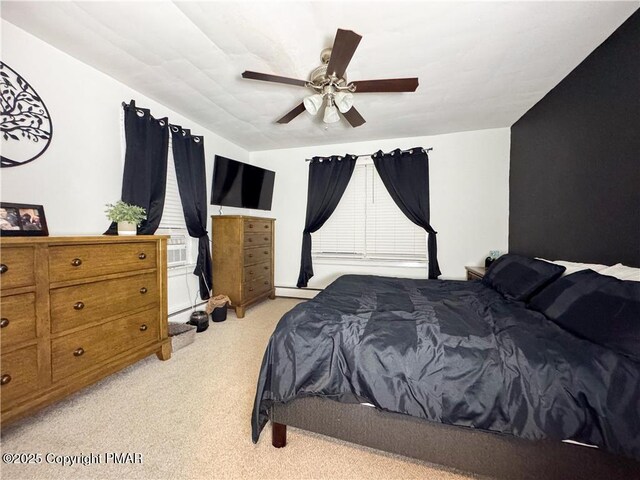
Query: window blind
[368, 224]
[344, 232]
[172, 215]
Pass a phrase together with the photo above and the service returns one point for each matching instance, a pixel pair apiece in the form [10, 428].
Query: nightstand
[475, 273]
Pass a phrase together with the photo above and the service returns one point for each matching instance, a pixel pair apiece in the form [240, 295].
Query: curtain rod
[426, 150]
[172, 126]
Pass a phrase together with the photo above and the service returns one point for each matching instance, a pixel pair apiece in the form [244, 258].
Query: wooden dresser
[243, 259]
[74, 310]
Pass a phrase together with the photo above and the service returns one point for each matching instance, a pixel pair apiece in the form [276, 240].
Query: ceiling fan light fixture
[331, 114]
[313, 103]
[329, 81]
[344, 101]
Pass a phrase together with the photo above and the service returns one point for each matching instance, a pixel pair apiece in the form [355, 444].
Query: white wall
[469, 181]
[82, 169]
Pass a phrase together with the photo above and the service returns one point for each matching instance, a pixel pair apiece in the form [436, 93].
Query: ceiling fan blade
[273, 78]
[387, 85]
[344, 46]
[353, 117]
[292, 114]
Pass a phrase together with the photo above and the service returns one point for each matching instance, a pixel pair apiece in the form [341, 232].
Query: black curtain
[328, 179]
[145, 165]
[406, 177]
[188, 156]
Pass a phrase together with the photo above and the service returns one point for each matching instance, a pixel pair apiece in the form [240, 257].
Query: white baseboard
[293, 292]
[182, 316]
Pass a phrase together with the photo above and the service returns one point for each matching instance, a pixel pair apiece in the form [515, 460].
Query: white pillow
[622, 272]
[573, 267]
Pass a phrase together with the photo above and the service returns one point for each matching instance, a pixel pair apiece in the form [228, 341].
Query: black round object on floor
[219, 314]
[200, 320]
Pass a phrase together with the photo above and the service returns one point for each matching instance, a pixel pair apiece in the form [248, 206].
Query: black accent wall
[574, 186]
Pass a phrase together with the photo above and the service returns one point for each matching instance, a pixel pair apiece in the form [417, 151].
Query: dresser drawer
[257, 226]
[261, 270]
[18, 323]
[89, 348]
[257, 239]
[73, 262]
[255, 288]
[17, 267]
[255, 255]
[81, 304]
[19, 374]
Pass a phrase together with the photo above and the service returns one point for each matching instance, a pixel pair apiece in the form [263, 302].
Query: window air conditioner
[176, 251]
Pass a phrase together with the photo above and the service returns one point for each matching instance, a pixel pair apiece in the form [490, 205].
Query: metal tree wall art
[25, 124]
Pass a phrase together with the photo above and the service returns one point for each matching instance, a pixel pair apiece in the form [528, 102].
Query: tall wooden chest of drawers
[243, 259]
[74, 310]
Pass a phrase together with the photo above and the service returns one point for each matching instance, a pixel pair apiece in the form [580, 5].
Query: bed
[455, 373]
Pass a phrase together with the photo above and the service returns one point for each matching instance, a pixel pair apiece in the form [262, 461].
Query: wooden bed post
[278, 435]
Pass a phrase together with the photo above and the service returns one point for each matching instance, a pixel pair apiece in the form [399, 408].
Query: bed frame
[465, 449]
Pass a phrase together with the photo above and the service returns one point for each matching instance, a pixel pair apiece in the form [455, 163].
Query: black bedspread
[453, 352]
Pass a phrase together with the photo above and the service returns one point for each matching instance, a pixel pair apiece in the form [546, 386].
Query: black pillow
[518, 278]
[596, 307]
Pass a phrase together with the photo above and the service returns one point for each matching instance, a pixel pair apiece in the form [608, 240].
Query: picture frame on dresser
[22, 220]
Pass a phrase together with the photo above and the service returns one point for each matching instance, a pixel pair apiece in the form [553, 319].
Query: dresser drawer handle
[250, 240]
[251, 289]
[142, 256]
[3, 269]
[266, 226]
[266, 282]
[266, 239]
[251, 255]
[143, 328]
[266, 252]
[76, 262]
[78, 305]
[266, 267]
[143, 290]
[6, 378]
[4, 322]
[250, 272]
[251, 225]
[78, 352]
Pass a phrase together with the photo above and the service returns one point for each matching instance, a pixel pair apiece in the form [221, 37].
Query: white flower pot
[126, 228]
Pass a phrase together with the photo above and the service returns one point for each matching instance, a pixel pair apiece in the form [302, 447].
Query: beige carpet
[189, 417]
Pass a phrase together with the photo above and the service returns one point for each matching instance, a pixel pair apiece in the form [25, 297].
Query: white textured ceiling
[481, 65]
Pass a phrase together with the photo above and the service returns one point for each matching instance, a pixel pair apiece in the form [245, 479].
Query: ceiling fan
[330, 83]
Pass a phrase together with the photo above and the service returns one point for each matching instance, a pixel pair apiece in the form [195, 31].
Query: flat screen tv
[237, 184]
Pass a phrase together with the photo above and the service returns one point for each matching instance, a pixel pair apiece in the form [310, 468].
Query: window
[172, 215]
[368, 225]
[180, 245]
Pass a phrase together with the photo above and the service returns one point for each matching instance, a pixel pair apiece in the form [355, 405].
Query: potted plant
[127, 216]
